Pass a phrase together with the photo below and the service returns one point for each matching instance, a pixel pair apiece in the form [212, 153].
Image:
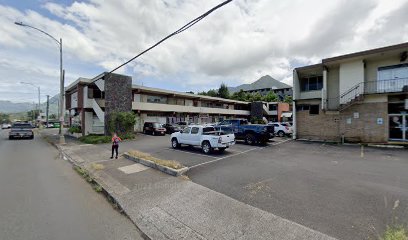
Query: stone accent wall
[331, 125]
[118, 95]
[257, 110]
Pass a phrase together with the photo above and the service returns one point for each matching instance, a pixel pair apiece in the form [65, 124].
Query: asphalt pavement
[343, 191]
[41, 197]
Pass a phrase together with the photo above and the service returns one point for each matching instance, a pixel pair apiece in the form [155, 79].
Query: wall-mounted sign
[348, 120]
[380, 121]
[356, 115]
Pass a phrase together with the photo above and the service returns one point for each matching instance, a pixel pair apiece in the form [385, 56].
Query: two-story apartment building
[90, 101]
[358, 97]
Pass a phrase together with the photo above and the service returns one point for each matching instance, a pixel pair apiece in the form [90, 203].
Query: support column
[324, 89]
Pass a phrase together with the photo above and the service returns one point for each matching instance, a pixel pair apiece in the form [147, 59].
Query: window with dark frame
[314, 110]
[311, 83]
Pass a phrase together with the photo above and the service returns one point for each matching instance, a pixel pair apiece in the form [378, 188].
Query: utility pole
[47, 110]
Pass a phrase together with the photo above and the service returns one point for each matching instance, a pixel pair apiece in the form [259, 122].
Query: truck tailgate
[227, 138]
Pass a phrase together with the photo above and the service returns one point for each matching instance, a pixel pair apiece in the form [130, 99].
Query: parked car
[206, 137]
[4, 126]
[171, 128]
[250, 133]
[281, 129]
[183, 124]
[154, 128]
[21, 130]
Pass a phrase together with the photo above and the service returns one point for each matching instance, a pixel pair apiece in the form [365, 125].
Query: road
[43, 198]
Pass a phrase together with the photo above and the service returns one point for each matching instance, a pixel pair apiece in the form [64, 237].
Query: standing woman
[115, 145]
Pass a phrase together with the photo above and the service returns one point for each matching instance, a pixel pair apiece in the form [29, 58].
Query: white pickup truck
[207, 137]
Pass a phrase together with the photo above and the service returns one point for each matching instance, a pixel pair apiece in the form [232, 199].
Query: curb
[109, 194]
[167, 170]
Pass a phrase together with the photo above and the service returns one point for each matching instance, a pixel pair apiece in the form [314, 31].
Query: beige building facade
[358, 97]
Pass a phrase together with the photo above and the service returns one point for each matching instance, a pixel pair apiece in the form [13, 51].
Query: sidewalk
[166, 207]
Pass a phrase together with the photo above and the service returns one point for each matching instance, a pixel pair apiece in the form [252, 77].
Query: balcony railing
[386, 86]
[372, 87]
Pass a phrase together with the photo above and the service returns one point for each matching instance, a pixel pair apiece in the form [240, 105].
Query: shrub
[75, 129]
[95, 139]
[395, 233]
[129, 135]
[121, 122]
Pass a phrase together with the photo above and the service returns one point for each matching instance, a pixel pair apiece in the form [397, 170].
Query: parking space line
[287, 140]
[198, 154]
[222, 158]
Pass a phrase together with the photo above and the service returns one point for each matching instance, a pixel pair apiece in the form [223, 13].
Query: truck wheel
[249, 139]
[206, 147]
[174, 143]
[281, 133]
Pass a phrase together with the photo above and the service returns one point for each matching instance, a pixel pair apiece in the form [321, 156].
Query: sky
[238, 43]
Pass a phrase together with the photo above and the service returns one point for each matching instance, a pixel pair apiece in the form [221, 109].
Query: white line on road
[218, 159]
[287, 140]
[198, 154]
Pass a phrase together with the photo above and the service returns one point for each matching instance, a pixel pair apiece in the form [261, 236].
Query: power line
[180, 30]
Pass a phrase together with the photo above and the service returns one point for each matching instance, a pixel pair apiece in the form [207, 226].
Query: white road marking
[219, 159]
[133, 168]
[277, 143]
[198, 154]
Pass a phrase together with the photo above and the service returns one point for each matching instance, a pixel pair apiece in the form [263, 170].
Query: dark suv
[153, 128]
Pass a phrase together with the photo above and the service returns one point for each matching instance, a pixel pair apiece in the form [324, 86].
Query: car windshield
[157, 125]
[22, 125]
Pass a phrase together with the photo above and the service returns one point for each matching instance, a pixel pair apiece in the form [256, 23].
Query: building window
[314, 110]
[302, 108]
[311, 83]
[156, 99]
[273, 107]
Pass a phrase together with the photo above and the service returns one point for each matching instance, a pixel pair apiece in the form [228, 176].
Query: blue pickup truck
[251, 133]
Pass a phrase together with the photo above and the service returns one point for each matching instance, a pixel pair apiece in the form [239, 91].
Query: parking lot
[343, 191]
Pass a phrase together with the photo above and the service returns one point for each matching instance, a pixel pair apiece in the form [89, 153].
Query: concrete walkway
[166, 207]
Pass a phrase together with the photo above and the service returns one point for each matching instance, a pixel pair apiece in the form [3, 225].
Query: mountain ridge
[263, 82]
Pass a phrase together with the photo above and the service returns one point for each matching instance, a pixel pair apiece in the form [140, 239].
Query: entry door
[398, 127]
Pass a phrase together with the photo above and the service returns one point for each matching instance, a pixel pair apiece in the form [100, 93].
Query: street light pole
[61, 100]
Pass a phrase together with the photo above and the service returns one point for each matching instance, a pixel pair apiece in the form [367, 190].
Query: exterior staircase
[98, 110]
[352, 96]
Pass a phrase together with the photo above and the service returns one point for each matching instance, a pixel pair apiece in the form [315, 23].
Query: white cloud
[238, 43]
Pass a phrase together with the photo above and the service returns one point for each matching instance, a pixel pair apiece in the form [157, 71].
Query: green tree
[4, 118]
[212, 93]
[288, 99]
[52, 116]
[240, 96]
[122, 123]
[270, 97]
[256, 97]
[223, 91]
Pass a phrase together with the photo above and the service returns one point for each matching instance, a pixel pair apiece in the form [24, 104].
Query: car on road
[206, 137]
[153, 128]
[5, 126]
[251, 133]
[281, 129]
[171, 128]
[21, 130]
